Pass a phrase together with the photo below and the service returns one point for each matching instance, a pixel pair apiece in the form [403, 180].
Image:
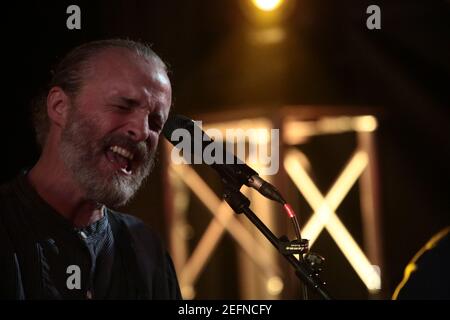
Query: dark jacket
[147, 271]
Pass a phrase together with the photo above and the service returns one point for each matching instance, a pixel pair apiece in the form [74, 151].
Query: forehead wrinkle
[118, 73]
[147, 101]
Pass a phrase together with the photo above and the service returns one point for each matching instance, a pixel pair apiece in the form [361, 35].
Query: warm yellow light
[188, 292]
[365, 123]
[296, 131]
[224, 219]
[275, 285]
[325, 215]
[268, 36]
[267, 5]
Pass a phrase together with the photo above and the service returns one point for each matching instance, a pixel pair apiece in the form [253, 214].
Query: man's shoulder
[153, 259]
[136, 227]
[6, 188]
[130, 220]
[125, 217]
[11, 187]
[9, 197]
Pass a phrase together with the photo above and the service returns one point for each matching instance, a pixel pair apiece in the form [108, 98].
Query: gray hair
[68, 75]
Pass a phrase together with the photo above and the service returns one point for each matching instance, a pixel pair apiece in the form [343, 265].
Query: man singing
[98, 125]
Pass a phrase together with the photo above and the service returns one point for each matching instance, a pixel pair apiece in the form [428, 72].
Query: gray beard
[81, 153]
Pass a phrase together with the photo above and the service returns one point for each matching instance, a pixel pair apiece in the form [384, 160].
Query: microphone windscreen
[225, 162]
[177, 121]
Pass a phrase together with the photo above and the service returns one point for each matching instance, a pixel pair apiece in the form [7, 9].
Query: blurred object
[358, 166]
[258, 270]
[264, 13]
[325, 216]
[267, 5]
[225, 220]
[427, 275]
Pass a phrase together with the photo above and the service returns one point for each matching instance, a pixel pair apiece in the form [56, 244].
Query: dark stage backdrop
[329, 57]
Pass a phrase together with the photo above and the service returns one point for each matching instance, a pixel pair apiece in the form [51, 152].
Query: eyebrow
[134, 103]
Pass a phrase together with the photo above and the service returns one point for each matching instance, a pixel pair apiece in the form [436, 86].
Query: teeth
[124, 153]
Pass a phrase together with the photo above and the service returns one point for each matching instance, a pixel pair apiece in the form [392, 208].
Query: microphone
[236, 169]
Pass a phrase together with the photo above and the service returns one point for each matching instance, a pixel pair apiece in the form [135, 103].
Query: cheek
[103, 125]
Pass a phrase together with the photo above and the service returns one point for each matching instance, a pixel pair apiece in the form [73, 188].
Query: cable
[293, 217]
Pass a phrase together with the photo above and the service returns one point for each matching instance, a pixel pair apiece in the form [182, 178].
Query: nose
[138, 129]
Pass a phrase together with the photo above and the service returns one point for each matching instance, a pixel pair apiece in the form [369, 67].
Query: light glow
[275, 286]
[325, 216]
[224, 219]
[267, 5]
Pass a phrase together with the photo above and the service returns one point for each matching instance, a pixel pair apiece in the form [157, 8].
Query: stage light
[325, 215]
[224, 219]
[365, 124]
[275, 285]
[187, 292]
[297, 132]
[267, 5]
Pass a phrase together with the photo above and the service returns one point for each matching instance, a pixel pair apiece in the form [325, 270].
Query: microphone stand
[304, 268]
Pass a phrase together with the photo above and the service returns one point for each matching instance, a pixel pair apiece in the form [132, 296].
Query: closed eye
[155, 122]
[156, 126]
[122, 107]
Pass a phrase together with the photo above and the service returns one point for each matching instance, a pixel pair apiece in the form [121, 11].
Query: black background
[329, 58]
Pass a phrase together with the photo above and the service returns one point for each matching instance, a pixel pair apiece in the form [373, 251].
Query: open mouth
[121, 158]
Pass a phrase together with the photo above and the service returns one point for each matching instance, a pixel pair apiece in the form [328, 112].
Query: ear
[58, 104]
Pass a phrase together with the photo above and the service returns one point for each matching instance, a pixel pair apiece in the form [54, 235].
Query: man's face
[111, 134]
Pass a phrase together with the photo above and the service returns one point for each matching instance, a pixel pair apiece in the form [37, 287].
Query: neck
[55, 184]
